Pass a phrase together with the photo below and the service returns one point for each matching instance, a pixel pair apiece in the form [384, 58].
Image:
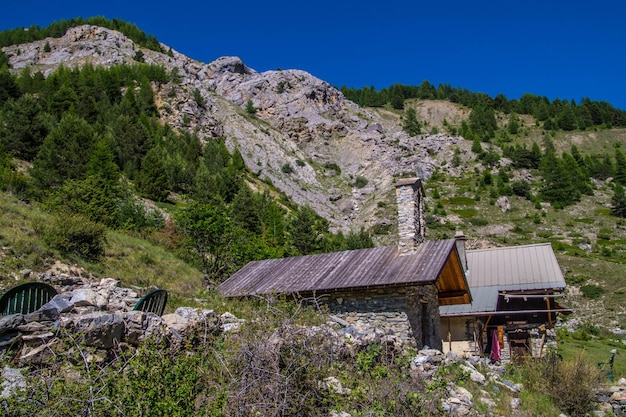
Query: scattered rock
[100, 329]
[12, 379]
[504, 204]
[87, 297]
[37, 356]
[474, 374]
[334, 385]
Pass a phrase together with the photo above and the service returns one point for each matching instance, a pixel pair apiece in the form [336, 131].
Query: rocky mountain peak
[298, 121]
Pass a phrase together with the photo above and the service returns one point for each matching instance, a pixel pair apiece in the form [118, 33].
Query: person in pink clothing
[495, 347]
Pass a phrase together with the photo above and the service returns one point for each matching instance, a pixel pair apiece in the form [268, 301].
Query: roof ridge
[530, 245]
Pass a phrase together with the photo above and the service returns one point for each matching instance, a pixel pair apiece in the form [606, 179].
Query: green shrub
[139, 56]
[287, 169]
[518, 229]
[467, 213]
[605, 234]
[73, 235]
[569, 384]
[592, 291]
[152, 381]
[575, 279]
[13, 181]
[197, 96]
[479, 221]
[360, 182]
[332, 166]
[574, 387]
[250, 109]
[134, 216]
[462, 201]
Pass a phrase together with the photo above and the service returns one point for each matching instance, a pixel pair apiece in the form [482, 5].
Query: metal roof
[527, 268]
[353, 269]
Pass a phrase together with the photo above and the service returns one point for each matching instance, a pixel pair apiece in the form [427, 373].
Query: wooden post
[449, 337]
[482, 331]
[549, 313]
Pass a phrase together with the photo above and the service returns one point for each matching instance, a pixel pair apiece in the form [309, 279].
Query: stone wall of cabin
[411, 313]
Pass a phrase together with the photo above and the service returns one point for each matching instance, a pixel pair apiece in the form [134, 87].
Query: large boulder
[187, 321]
[86, 297]
[140, 326]
[100, 329]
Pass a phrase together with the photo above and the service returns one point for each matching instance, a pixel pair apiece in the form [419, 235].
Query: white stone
[12, 379]
[87, 297]
[109, 282]
[488, 402]
[463, 394]
[515, 403]
[474, 374]
[228, 318]
[177, 322]
[334, 385]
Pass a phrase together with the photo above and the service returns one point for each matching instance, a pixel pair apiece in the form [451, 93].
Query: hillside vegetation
[87, 143]
[137, 172]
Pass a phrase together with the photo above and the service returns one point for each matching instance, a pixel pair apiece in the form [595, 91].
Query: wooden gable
[451, 284]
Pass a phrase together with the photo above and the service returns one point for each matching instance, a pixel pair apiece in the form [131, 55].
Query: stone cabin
[397, 288]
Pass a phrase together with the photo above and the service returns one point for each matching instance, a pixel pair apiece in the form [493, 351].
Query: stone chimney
[411, 220]
[460, 248]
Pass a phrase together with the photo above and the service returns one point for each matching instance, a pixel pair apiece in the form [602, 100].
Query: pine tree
[8, 86]
[482, 121]
[477, 147]
[152, 181]
[64, 153]
[208, 234]
[558, 182]
[102, 163]
[566, 120]
[580, 180]
[411, 125]
[513, 125]
[620, 167]
[618, 202]
[536, 155]
[24, 127]
[245, 210]
[307, 230]
[250, 109]
[63, 99]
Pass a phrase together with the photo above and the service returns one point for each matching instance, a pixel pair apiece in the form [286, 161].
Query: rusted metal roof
[347, 270]
[529, 269]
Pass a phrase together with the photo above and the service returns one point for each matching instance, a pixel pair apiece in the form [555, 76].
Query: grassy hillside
[138, 262]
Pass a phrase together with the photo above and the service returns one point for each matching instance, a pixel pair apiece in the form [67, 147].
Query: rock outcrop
[299, 120]
[96, 316]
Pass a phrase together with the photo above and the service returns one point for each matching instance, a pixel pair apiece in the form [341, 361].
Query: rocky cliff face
[300, 121]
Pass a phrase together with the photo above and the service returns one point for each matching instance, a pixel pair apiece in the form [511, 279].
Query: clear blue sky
[559, 49]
